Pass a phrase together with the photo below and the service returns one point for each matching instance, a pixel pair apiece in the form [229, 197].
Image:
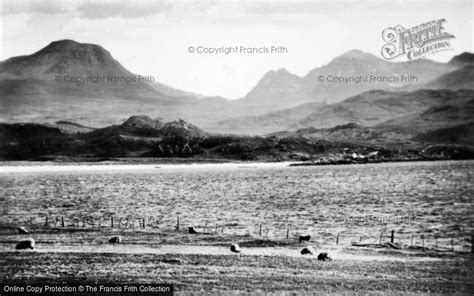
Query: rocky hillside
[143, 137]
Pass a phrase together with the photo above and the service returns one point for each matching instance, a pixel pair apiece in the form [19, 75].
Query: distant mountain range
[370, 107]
[33, 89]
[283, 89]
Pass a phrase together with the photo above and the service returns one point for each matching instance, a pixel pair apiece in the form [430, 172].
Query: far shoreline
[51, 166]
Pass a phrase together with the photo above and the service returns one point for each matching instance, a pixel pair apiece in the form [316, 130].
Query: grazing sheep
[305, 238]
[115, 239]
[192, 230]
[26, 244]
[235, 248]
[307, 251]
[324, 257]
[22, 230]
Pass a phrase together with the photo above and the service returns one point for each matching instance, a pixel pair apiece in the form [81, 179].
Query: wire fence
[442, 241]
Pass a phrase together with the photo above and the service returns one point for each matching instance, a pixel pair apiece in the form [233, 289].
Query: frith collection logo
[415, 42]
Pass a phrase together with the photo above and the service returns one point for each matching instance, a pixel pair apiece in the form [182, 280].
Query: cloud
[87, 9]
[297, 7]
[223, 10]
[10, 7]
[124, 9]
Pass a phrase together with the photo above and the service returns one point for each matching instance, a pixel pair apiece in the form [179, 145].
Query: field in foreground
[204, 263]
[71, 213]
[191, 273]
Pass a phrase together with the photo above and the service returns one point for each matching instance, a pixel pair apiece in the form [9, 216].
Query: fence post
[205, 226]
[288, 233]
[337, 239]
[472, 244]
[112, 221]
[62, 221]
[46, 224]
[392, 237]
[260, 230]
[381, 236]
[177, 222]
[151, 220]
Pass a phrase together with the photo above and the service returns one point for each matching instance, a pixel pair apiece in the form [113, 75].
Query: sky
[154, 37]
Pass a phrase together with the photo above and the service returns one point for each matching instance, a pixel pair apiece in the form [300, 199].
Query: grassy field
[263, 209]
[204, 263]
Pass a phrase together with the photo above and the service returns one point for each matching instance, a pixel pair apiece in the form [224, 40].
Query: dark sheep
[192, 230]
[115, 239]
[307, 251]
[26, 244]
[324, 257]
[305, 238]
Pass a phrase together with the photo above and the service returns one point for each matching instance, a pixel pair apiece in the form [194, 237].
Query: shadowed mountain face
[460, 78]
[377, 106]
[461, 60]
[462, 134]
[267, 123]
[371, 108]
[430, 115]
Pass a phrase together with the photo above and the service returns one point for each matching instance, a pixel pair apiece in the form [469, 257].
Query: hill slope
[83, 83]
[282, 89]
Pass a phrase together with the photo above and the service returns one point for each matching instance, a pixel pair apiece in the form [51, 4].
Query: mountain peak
[281, 73]
[354, 58]
[68, 46]
[65, 57]
[62, 44]
[462, 59]
[356, 54]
